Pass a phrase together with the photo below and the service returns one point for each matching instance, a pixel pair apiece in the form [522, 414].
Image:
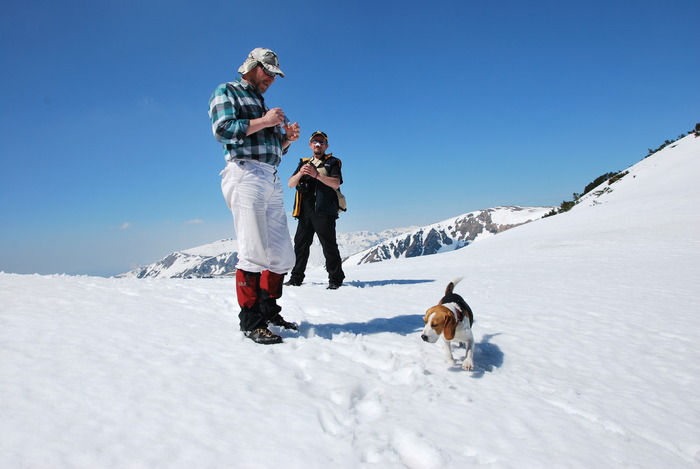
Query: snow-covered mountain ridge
[449, 235]
[215, 259]
[219, 258]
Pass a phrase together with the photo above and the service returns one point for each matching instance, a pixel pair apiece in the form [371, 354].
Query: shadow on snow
[382, 283]
[402, 325]
[488, 356]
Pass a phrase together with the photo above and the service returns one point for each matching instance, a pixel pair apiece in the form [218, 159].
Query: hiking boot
[263, 336]
[293, 283]
[279, 321]
[333, 286]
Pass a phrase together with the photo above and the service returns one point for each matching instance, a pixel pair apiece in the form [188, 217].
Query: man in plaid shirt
[253, 143]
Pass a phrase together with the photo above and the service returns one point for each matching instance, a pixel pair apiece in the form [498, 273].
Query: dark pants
[323, 226]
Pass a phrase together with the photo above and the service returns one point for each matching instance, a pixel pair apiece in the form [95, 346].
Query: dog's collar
[457, 311]
[460, 314]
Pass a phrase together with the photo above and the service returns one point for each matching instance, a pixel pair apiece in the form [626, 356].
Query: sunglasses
[320, 142]
[267, 72]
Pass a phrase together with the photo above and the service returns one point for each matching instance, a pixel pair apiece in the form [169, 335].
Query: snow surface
[508, 216]
[587, 355]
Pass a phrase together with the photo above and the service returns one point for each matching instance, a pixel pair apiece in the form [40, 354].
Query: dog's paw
[467, 366]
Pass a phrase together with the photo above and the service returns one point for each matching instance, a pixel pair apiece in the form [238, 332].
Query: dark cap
[318, 133]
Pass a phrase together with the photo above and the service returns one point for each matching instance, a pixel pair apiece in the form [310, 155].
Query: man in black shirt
[316, 206]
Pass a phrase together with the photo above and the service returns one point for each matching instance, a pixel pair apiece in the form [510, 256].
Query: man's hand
[273, 117]
[309, 170]
[293, 131]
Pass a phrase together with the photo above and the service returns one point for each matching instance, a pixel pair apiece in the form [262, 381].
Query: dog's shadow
[488, 356]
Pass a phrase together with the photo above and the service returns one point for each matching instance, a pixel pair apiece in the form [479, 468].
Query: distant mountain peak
[219, 258]
[449, 235]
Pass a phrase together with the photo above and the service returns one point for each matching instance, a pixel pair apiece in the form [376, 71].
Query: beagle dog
[452, 319]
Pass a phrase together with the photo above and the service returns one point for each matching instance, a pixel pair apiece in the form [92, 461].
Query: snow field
[586, 355]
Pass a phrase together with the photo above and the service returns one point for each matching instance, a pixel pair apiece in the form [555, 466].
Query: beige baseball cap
[264, 57]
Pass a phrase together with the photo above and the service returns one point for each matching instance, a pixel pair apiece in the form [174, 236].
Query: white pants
[253, 192]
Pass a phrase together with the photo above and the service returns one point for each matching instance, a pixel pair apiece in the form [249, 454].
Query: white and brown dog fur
[452, 319]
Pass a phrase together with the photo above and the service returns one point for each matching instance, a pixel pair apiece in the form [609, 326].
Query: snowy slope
[587, 355]
[214, 249]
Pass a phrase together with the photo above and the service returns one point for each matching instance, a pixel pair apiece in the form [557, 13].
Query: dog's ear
[450, 327]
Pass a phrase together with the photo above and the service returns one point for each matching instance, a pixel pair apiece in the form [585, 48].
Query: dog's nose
[424, 337]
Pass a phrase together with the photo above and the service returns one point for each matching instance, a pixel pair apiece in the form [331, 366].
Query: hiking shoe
[293, 283]
[333, 286]
[263, 336]
[279, 321]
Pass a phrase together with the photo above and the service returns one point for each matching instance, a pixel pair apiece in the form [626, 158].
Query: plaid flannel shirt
[231, 107]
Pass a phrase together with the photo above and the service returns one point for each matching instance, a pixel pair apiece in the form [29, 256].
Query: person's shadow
[382, 283]
[403, 325]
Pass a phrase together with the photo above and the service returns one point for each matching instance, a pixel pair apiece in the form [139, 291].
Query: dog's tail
[451, 286]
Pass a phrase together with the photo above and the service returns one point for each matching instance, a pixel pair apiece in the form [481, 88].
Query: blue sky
[436, 109]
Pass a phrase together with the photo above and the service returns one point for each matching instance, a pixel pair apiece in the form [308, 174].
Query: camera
[303, 187]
